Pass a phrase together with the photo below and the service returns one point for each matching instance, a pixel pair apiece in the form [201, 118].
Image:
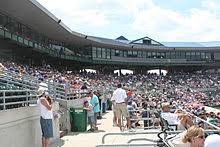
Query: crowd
[190, 91]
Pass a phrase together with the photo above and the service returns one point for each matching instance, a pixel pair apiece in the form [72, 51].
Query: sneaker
[131, 130]
[91, 130]
[137, 124]
[115, 125]
[133, 125]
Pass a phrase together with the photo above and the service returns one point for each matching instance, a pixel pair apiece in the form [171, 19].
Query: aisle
[88, 139]
[91, 139]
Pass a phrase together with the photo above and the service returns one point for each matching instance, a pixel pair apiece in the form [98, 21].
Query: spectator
[182, 120]
[96, 108]
[45, 106]
[120, 102]
[90, 114]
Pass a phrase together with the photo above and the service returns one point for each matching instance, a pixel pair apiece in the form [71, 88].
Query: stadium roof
[192, 44]
[33, 14]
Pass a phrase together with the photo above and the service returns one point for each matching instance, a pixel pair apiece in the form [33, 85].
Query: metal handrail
[24, 98]
[214, 126]
[126, 145]
[149, 132]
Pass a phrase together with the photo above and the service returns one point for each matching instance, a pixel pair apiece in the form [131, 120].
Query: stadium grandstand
[38, 50]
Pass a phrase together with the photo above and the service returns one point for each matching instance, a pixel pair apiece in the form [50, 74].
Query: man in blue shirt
[96, 108]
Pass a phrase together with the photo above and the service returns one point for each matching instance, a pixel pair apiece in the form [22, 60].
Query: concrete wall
[21, 127]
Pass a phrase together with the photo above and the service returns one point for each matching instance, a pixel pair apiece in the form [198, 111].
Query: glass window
[202, 55]
[117, 53]
[113, 52]
[162, 55]
[104, 53]
[148, 54]
[144, 54]
[182, 55]
[158, 54]
[134, 54]
[198, 56]
[140, 54]
[121, 53]
[108, 53]
[125, 53]
[94, 52]
[168, 55]
[153, 54]
[208, 55]
[188, 55]
[99, 52]
[129, 53]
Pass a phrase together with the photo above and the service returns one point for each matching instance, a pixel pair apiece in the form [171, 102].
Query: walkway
[91, 139]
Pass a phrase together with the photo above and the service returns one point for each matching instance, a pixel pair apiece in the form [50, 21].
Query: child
[90, 115]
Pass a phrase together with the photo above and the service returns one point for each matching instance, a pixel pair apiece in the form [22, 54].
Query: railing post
[4, 107]
[27, 101]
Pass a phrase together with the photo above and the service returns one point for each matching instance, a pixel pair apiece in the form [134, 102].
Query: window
[168, 55]
[113, 52]
[129, 53]
[140, 54]
[144, 54]
[203, 56]
[149, 55]
[134, 54]
[153, 55]
[125, 53]
[117, 53]
[158, 55]
[99, 52]
[104, 53]
[108, 53]
[182, 55]
[162, 55]
[121, 53]
[198, 56]
[188, 57]
[173, 55]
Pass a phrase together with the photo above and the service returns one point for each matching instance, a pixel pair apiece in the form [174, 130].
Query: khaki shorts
[121, 109]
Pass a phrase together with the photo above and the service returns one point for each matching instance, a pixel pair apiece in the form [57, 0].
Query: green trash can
[109, 104]
[78, 119]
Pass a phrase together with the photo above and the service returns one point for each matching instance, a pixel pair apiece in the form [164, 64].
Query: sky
[162, 20]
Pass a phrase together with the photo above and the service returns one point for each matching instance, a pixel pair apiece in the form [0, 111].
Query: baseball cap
[212, 141]
[42, 91]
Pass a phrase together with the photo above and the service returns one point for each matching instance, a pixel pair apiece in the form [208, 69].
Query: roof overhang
[38, 18]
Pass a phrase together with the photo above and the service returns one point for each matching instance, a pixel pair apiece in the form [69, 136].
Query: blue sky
[162, 20]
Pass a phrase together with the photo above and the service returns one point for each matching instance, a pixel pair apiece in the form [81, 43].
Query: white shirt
[171, 118]
[44, 112]
[119, 95]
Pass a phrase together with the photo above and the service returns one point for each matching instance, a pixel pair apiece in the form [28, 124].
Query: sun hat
[212, 141]
[42, 91]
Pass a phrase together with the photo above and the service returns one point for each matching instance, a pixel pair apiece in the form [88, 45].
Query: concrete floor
[91, 139]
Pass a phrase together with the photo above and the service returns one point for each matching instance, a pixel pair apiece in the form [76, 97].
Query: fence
[160, 141]
[16, 98]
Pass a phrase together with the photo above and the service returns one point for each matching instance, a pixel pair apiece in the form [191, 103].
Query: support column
[160, 71]
[120, 73]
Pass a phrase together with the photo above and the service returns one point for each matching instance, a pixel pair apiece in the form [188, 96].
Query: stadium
[37, 47]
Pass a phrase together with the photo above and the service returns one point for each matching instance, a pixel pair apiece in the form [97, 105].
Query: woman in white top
[46, 115]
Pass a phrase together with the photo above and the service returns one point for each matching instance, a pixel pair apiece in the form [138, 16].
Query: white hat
[42, 91]
[212, 141]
